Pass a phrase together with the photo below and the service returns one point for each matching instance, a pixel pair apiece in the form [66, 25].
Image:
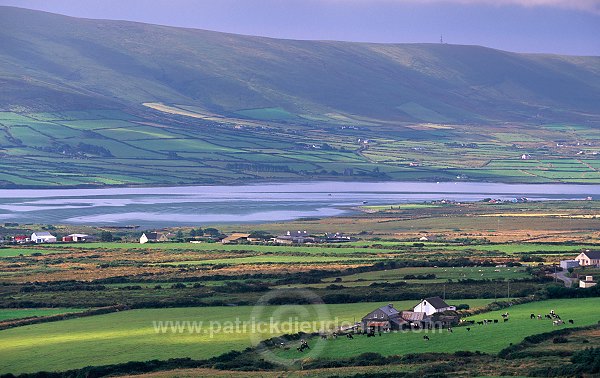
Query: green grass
[13, 252]
[442, 274]
[103, 339]
[489, 338]
[19, 313]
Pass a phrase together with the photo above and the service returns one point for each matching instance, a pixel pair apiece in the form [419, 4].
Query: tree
[179, 235]
[106, 236]
[192, 233]
[212, 231]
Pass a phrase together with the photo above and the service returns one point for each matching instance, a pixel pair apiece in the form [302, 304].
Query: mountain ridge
[129, 63]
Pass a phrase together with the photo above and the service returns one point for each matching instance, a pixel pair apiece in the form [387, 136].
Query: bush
[560, 340]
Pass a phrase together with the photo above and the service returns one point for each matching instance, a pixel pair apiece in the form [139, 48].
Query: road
[562, 276]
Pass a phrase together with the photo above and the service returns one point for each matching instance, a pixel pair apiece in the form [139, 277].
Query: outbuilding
[568, 264]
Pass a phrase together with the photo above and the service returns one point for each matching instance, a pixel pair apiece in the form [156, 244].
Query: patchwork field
[113, 147]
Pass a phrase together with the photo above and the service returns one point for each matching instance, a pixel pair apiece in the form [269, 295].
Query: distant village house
[43, 237]
[299, 237]
[155, 237]
[589, 258]
[78, 238]
[235, 238]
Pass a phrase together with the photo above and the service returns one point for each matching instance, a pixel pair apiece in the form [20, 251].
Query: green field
[102, 339]
[10, 314]
[442, 275]
[487, 338]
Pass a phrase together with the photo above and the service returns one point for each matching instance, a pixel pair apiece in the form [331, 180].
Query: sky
[541, 26]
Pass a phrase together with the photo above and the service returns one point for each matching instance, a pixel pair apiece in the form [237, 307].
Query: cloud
[581, 5]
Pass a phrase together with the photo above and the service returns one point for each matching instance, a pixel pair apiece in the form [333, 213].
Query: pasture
[489, 338]
[102, 339]
[20, 313]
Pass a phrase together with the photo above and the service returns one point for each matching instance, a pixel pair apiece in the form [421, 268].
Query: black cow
[505, 320]
[532, 316]
[571, 321]
[468, 329]
[426, 338]
[495, 320]
[349, 336]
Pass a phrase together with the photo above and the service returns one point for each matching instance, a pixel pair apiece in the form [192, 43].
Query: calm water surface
[201, 205]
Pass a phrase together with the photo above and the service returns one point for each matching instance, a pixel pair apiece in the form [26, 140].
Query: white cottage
[589, 258]
[433, 305]
[43, 237]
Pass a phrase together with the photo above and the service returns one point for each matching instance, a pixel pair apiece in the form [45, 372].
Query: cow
[571, 321]
[350, 336]
[532, 316]
[495, 320]
[468, 329]
[480, 323]
[505, 320]
[557, 322]
[450, 330]
[303, 345]
[426, 338]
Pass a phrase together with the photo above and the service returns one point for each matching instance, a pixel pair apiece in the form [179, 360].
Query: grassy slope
[303, 90]
[231, 73]
[102, 339]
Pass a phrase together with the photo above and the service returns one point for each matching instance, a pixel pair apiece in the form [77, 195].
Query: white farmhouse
[43, 237]
[433, 305]
[589, 258]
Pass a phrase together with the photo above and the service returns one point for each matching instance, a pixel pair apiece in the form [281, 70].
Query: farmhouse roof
[592, 255]
[389, 310]
[78, 235]
[152, 235]
[437, 302]
[43, 233]
[234, 237]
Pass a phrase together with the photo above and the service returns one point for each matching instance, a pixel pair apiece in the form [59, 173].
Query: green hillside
[95, 102]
